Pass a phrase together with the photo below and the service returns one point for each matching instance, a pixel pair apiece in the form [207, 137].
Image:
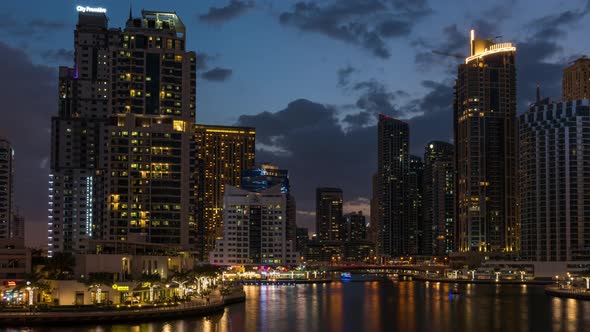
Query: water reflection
[382, 306]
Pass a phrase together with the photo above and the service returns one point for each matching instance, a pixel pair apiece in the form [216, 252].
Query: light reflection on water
[381, 306]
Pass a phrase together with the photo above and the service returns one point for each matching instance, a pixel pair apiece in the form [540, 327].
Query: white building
[255, 229]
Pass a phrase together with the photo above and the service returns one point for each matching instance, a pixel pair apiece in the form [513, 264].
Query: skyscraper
[576, 80]
[265, 176]
[393, 162]
[438, 200]
[255, 229]
[485, 138]
[223, 152]
[123, 144]
[553, 180]
[329, 221]
[6, 189]
[356, 226]
[414, 205]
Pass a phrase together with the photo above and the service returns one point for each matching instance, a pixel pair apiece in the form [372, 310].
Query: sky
[311, 76]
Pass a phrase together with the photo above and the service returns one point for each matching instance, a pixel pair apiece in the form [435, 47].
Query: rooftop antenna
[538, 92]
[130, 11]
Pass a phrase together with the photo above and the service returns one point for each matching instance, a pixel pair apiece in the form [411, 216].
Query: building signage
[86, 9]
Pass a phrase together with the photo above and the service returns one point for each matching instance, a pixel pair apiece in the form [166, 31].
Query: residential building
[301, 240]
[576, 80]
[223, 153]
[255, 229]
[265, 176]
[329, 221]
[356, 226]
[393, 161]
[414, 205]
[438, 199]
[554, 141]
[122, 159]
[485, 156]
[6, 189]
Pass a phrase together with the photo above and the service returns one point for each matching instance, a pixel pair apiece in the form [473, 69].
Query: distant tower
[576, 80]
[485, 138]
[223, 153]
[329, 217]
[438, 199]
[393, 162]
[7, 213]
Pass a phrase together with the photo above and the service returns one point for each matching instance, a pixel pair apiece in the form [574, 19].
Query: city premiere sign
[86, 9]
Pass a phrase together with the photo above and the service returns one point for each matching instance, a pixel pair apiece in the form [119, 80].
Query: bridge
[374, 268]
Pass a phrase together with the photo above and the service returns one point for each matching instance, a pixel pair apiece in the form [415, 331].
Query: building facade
[356, 226]
[122, 160]
[438, 200]
[554, 138]
[414, 228]
[485, 155]
[393, 162]
[576, 80]
[255, 229]
[265, 176]
[6, 189]
[329, 218]
[223, 153]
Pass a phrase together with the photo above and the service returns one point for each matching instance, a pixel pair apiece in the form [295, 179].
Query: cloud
[217, 74]
[60, 55]
[30, 89]
[376, 98]
[344, 75]
[365, 24]
[36, 27]
[232, 10]
[320, 152]
[203, 60]
[358, 204]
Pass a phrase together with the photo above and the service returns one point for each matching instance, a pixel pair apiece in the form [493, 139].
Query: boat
[455, 290]
[345, 276]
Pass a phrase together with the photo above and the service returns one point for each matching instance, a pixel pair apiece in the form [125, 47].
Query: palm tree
[96, 280]
[31, 283]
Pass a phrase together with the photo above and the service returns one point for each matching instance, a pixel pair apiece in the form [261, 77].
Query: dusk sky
[310, 76]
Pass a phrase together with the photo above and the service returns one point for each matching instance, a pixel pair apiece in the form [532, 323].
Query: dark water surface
[381, 306]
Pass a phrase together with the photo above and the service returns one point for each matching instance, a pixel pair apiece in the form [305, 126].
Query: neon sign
[86, 9]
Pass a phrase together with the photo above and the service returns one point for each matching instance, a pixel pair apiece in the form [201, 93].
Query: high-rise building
[329, 221]
[302, 239]
[255, 229]
[265, 176]
[393, 162]
[122, 160]
[6, 189]
[576, 80]
[373, 231]
[223, 153]
[356, 226]
[485, 138]
[415, 192]
[438, 199]
[554, 177]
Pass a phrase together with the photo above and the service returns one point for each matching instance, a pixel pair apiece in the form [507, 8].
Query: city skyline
[292, 150]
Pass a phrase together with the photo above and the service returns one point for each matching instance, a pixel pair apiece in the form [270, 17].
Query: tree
[60, 266]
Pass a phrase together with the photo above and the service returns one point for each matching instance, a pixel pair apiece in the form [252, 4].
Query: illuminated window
[178, 125]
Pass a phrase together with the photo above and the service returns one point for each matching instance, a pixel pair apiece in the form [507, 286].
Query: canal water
[380, 306]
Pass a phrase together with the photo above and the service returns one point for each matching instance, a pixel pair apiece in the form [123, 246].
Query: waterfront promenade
[123, 313]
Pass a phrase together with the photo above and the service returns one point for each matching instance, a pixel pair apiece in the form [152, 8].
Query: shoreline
[568, 293]
[284, 282]
[116, 315]
[483, 281]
